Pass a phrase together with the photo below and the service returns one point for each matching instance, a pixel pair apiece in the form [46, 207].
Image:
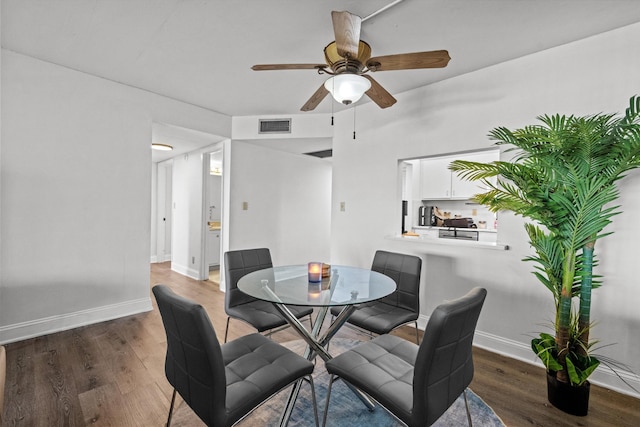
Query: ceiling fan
[348, 60]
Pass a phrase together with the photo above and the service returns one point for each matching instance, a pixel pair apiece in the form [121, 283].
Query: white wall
[288, 198]
[187, 214]
[302, 126]
[312, 132]
[76, 195]
[598, 74]
[289, 202]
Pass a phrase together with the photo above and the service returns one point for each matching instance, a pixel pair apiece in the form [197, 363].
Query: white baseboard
[63, 322]
[603, 376]
[186, 271]
[422, 321]
[156, 259]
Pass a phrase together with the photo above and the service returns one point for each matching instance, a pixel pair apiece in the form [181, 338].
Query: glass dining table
[346, 287]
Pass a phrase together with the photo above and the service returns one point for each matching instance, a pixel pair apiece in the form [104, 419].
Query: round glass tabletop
[290, 285]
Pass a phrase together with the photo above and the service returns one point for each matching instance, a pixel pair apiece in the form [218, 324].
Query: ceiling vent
[275, 126]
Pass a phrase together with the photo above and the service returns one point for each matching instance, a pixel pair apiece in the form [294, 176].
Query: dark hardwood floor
[112, 374]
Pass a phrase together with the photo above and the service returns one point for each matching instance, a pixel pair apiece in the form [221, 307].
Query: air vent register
[275, 126]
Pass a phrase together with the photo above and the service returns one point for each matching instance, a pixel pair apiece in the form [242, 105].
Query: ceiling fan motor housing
[340, 64]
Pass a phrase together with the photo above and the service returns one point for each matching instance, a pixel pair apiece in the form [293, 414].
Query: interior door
[164, 208]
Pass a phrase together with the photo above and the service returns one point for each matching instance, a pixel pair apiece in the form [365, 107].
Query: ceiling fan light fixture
[347, 88]
[161, 147]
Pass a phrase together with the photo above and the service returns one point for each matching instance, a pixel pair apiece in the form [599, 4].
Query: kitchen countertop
[432, 240]
[433, 227]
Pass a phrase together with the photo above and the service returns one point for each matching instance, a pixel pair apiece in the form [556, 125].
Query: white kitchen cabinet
[439, 183]
[463, 189]
[435, 178]
[213, 247]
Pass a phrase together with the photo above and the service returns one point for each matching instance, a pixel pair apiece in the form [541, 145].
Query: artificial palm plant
[563, 178]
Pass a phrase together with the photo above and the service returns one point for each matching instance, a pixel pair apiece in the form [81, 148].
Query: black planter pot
[570, 399]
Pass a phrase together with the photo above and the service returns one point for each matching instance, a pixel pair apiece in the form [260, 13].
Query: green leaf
[579, 376]
[544, 347]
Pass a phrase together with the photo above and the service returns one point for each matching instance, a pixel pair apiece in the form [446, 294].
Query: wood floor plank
[89, 368]
[106, 406]
[183, 416]
[127, 370]
[148, 403]
[112, 374]
[55, 391]
[21, 384]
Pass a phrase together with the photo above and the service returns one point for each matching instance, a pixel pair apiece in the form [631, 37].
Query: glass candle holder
[315, 272]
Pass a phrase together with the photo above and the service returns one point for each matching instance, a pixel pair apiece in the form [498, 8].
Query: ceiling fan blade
[315, 99]
[346, 27]
[270, 67]
[379, 95]
[409, 61]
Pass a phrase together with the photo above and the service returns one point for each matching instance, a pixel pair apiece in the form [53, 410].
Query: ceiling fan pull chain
[332, 110]
[354, 121]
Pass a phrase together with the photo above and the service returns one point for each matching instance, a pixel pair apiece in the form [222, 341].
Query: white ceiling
[182, 140]
[201, 51]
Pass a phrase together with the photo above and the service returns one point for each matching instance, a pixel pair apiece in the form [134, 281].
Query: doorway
[164, 211]
[213, 204]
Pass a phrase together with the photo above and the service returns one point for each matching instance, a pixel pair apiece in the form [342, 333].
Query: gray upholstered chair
[262, 315]
[222, 383]
[417, 384]
[400, 307]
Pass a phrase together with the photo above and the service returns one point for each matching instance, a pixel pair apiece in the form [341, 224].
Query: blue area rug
[346, 410]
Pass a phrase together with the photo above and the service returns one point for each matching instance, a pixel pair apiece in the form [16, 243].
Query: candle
[315, 272]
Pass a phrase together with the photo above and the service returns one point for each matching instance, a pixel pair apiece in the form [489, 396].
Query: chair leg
[315, 401]
[173, 400]
[226, 331]
[326, 403]
[417, 336]
[466, 404]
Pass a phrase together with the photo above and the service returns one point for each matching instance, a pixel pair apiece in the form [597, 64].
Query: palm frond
[549, 256]
[474, 171]
[563, 176]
